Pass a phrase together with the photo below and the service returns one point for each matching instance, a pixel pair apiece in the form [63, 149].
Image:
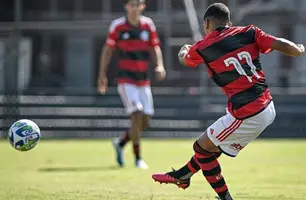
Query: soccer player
[231, 54]
[135, 38]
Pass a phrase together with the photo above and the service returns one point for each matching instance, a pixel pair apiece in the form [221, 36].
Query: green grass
[85, 170]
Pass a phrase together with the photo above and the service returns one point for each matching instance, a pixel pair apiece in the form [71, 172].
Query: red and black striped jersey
[133, 44]
[232, 57]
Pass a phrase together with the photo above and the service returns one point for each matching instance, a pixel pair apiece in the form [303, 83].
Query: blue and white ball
[24, 135]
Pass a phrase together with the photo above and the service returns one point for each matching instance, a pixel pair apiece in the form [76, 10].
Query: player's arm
[156, 53]
[157, 58]
[287, 47]
[182, 54]
[106, 57]
[267, 43]
[189, 56]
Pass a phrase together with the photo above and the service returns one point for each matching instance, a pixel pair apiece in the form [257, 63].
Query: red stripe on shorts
[229, 132]
[233, 124]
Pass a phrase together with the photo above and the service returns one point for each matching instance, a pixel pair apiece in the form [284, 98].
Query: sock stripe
[191, 168]
[136, 148]
[210, 166]
[213, 172]
[218, 184]
[194, 165]
[206, 160]
[218, 154]
[213, 179]
[222, 189]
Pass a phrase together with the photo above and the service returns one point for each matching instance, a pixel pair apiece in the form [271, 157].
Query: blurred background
[49, 59]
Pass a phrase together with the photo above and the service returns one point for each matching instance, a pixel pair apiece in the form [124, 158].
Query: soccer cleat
[119, 152]
[141, 164]
[167, 178]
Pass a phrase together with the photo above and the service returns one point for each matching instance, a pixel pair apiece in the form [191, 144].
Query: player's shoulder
[248, 30]
[116, 23]
[245, 28]
[147, 21]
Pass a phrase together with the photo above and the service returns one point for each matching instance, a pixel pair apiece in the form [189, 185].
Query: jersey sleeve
[154, 39]
[112, 37]
[263, 41]
[193, 58]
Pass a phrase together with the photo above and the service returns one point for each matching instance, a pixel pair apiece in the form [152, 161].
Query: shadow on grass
[77, 169]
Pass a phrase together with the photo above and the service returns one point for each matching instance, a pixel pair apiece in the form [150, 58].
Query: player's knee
[136, 117]
[145, 122]
[201, 151]
[206, 144]
[136, 121]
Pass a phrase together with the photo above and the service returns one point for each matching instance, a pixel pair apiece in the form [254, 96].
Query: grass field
[85, 170]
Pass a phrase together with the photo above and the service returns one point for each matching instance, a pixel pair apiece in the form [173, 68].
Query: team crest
[144, 35]
[126, 36]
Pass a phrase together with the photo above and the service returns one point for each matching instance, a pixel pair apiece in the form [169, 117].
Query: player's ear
[207, 24]
[142, 7]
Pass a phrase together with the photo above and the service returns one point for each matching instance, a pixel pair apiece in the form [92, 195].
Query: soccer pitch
[85, 170]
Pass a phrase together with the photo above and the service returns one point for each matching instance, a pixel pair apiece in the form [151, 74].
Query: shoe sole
[180, 185]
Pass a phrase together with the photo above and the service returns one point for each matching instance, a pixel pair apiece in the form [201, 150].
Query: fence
[177, 114]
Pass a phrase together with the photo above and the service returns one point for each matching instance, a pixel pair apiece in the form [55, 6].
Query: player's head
[134, 7]
[216, 15]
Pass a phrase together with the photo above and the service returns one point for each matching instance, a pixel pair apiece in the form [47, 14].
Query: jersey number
[234, 61]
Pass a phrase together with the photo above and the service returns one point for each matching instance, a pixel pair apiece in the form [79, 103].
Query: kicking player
[135, 37]
[231, 55]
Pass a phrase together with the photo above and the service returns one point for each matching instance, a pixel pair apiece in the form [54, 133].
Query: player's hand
[102, 84]
[185, 47]
[183, 51]
[302, 48]
[160, 73]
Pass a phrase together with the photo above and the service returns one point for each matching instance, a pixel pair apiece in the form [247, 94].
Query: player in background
[135, 38]
[231, 55]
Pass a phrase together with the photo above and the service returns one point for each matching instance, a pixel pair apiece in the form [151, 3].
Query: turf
[85, 170]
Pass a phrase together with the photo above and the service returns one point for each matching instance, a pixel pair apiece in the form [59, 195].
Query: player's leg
[136, 127]
[205, 159]
[130, 99]
[148, 111]
[148, 105]
[228, 135]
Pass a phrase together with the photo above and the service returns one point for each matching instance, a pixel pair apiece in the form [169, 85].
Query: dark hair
[140, 1]
[218, 11]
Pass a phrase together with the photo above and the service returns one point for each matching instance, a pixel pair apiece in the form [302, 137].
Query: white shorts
[136, 98]
[232, 135]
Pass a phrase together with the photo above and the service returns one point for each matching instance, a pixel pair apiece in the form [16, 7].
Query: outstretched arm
[266, 43]
[287, 47]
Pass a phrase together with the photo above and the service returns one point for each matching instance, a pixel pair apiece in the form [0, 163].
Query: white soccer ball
[24, 135]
